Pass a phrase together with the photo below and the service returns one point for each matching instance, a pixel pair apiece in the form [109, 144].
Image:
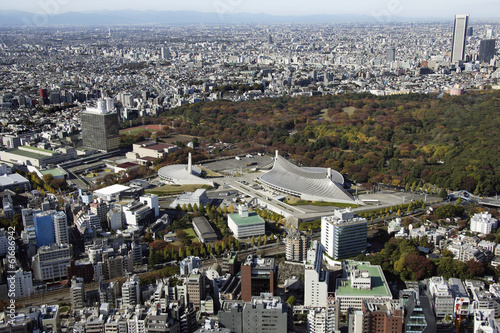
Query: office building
[44, 228]
[195, 288]
[360, 281]
[390, 55]
[88, 222]
[343, 235]
[263, 313]
[322, 319]
[60, 227]
[441, 296]
[101, 210]
[81, 269]
[21, 283]
[77, 293]
[165, 53]
[246, 224]
[50, 317]
[131, 291]
[315, 278]
[51, 261]
[487, 50]
[51, 227]
[258, 275]
[489, 33]
[459, 38]
[188, 264]
[296, 246]
[382, 316]
[100, 127]
[4, 243]
[109, 292]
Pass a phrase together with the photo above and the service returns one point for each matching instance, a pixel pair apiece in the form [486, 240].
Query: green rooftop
[29, 154]
[379, 284]
[252, 218]
[39, 149]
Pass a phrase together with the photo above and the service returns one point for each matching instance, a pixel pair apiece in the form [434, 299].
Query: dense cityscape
[188, 178]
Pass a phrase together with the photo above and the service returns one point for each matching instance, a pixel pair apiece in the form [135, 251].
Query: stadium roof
[317, 184]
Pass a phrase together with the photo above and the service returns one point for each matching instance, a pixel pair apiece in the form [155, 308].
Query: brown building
[83, 270]
[296, 246]
[195, 288]
[230, 263]
[382, 316]
[258, 275]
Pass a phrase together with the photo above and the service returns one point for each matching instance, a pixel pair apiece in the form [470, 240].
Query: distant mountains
[150, 17]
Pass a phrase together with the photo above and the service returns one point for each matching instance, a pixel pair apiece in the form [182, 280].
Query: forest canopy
[451, 142]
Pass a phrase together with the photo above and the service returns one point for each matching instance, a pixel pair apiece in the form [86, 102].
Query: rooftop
[252, 218]
[379, 285]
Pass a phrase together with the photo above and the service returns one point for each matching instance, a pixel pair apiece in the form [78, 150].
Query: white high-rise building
[343, 235]
[60, 227]
[131, 292]
[459, 38]
[315, 279]
[21, 283]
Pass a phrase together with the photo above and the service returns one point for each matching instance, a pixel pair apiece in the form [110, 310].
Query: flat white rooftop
[113, 189]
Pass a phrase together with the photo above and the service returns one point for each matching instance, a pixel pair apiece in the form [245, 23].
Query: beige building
[148, 151]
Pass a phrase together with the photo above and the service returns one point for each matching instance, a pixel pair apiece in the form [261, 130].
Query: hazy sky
[405, 8]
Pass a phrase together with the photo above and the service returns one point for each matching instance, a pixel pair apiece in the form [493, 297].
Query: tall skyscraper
[487, 50]
[390, 55]
[100, 127]
[459, 38]
[489, 33]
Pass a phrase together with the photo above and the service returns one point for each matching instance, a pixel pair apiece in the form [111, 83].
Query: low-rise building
[246, 224]
[361, 281]
[483, 223]
[441, 296]
[204, 230]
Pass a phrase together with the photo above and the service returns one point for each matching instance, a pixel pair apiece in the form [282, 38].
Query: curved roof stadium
[183, 174]
[315, 184]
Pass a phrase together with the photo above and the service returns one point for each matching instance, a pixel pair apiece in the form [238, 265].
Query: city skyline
[391, 8]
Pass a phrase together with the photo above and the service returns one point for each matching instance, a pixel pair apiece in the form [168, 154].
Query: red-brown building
[382, 316]
[258, 275]
[82, 270]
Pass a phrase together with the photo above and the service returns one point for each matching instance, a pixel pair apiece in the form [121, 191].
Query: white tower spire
[190, 164]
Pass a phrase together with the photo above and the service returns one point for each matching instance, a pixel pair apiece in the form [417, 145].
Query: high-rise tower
[487, 50]
[100, 127]
[459, 38]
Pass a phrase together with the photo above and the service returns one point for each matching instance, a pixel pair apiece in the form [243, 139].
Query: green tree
[252, 241]
[291, 300]
[443, 194]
